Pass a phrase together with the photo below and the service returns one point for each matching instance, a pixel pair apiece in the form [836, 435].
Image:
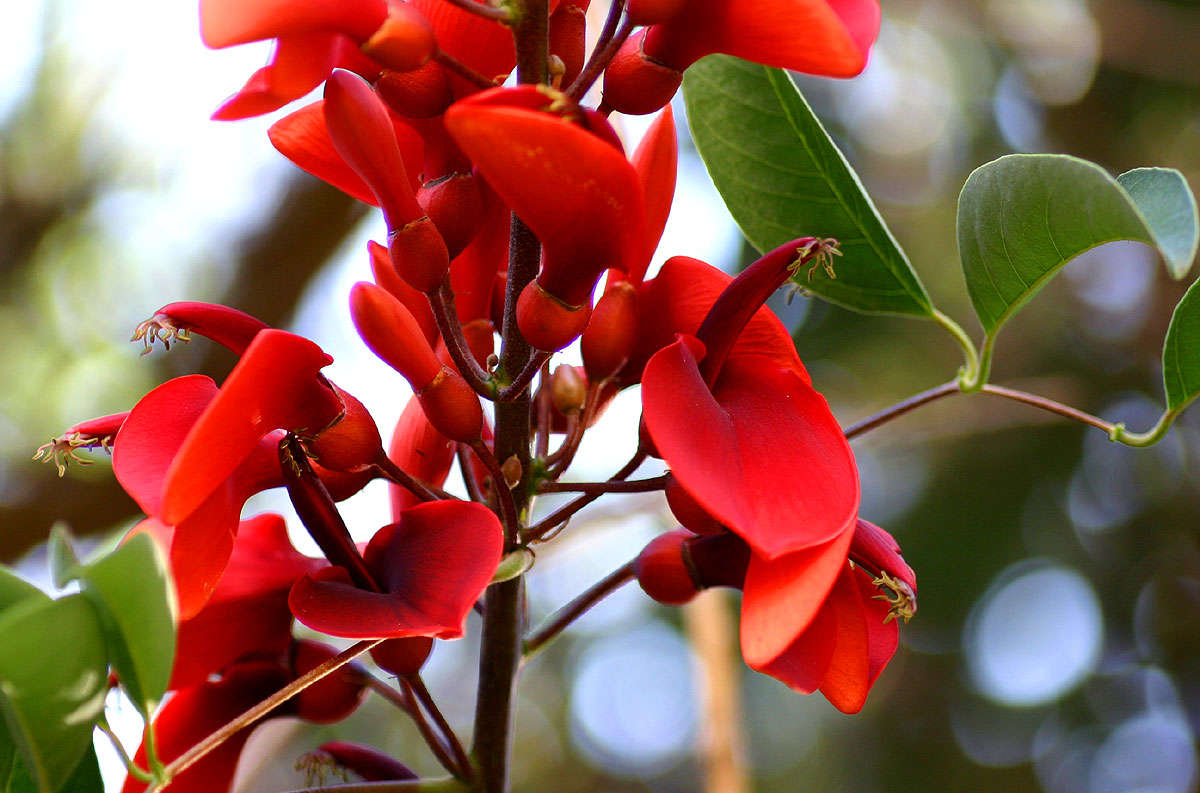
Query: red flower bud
[611, 331]
[656, 163]
[403, 657]
[547, 322]
[404, 41]
[636, 84]
[352, 444]
[387, 278]
[662, 570]
[452, 406]
[455, 204]
[392, 333]
[371, 765]
[333, 697]
[420, 93]
[568, 25]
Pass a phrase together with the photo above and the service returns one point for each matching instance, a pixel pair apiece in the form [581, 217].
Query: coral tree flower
[811, 622]
[826, 37]
[741, 426]
[431, 566]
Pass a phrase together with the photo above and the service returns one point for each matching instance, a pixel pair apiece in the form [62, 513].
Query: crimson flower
[813, 619]
[826, 37]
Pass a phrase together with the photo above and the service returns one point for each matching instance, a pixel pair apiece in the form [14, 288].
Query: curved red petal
[275, 385]
[575, 191]
[762, 453]
[420, 450]
[678, 299]
[812, 36]
[656, 162]
[880, 552]
[483, 44]
[434, 564]
[783, 598]
[299, 64]
[224, 23]
[883, 631]
[195, 713]
[389, 280]
[848, 678]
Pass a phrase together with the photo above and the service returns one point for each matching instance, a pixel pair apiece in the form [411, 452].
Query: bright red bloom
[813, 619]
[432, 565]
[827, 37]
[741, 426]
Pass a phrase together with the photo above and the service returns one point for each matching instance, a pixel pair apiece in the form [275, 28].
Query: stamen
[817, 253]
[899, 595]
[317, 766]
[160, 327]
[64, 449]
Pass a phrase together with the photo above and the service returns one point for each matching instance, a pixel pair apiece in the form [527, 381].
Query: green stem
[1150, 436]
[133, 768]
[971, 367]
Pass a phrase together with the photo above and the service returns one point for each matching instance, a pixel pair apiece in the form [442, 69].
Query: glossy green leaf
[782, 177]
[1181, 351]
[14, 589]
[136, 601]
[53, 678]
[64, 562]
[1023, 216]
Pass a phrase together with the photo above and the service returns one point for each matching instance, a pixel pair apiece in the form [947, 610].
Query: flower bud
[546, 322]
[636, 84]
[452, 406]
[353, 443]
[455, 205]
[662, 569]
[568, 25]
[568, 389]
[404, 41]
[392, 333]
[371, 765]
[690, 514]
[386, 277]
[333, 697]
[611, 331]
[402, 657]
[420, 93]
[419, 254]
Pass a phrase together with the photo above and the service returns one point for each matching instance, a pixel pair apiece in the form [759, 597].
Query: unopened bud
[511, 470]
[568, 389]
[353, 443]
[455, 205]
[568, 26]
[421, 93]
[404, 41]
[611, 332]
[392, 333]
[452, 406]
[548, 323]
[636, 84]
[662, 570]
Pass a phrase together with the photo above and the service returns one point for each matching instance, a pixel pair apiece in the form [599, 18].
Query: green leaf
[64, 562]
[53, 678]
[136, 602]
[14, 590]
[1181, 352]
[782, 177]
[85, 779]
[1023, 216]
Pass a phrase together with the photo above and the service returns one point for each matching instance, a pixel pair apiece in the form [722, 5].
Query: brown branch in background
[722, 742]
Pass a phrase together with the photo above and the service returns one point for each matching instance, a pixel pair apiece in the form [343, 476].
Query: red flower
[827, 37]
[813, 619]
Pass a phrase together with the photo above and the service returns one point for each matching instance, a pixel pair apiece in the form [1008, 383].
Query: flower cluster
[505, 207]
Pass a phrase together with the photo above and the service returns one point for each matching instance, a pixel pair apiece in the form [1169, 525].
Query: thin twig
[565, 455]
[900, 408]
[136, 771]
[462, 70]
[418, 688]
[561, 619]
[482, 9]
[564, 512]
[635, 486]
[603, 51]
[397, 475]
[474, 489]
[446, 316]
[1051, 406]
[406, 702]
[522, 381]
[542, 437]
[504, 495]
[200, 750]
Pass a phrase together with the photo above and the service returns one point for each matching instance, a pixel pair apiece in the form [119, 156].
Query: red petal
[656, 161]
[473, 272]
[813, 36]
[224, 23]
[677, 300]
[420, 450]
[763, 453]
[783, 598]
[882, 637]
[434, 563]
[232, 329]
[276, 385]
[299, 64]
[388, 279]
[574, 190]
[848, 678]
[484, 45]
[194, 713]
[879, 551]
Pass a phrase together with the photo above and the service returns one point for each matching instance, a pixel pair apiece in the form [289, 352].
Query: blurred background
[1057, 646]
